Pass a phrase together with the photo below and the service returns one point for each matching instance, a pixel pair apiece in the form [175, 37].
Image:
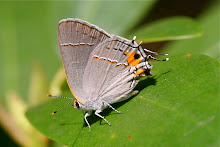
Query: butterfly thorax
[92, 105]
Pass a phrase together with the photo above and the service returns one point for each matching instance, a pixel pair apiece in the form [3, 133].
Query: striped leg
[85, 117]
[97, 114]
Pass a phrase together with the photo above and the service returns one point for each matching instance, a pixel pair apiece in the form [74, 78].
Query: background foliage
[177, 106]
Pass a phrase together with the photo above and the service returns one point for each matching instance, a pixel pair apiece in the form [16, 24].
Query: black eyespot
[136, 56]
[147, 72]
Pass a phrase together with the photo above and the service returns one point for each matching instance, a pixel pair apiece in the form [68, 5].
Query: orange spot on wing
[140, 71]
[130, 59]
[135, 62]
[130, 56]
[95, 58]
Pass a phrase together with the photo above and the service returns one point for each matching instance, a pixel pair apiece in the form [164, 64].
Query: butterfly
[101, 69]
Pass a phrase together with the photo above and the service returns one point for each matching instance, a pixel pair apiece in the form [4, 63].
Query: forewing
[77, 39]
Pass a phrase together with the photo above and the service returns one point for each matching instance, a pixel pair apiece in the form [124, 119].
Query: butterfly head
[76, 104]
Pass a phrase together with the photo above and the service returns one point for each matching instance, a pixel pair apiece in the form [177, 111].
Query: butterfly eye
[76, 105]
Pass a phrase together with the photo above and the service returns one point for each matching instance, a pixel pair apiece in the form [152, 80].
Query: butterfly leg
[85, 117]
[113, 108]
[97, 114]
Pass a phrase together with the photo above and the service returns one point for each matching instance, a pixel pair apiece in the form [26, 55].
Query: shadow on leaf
[141, 85]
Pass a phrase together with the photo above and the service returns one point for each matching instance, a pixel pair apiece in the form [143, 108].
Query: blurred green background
[29, 55]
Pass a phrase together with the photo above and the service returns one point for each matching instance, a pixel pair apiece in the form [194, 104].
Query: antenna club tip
[166, 54]
[49, 95]
[167, 59]
[53, 112]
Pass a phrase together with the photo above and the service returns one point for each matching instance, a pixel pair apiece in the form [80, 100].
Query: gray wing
[77, 39]
[110, 72]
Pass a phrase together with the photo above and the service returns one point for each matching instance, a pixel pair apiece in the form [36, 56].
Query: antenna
[61, 108]
[64, 105]
[61, 97]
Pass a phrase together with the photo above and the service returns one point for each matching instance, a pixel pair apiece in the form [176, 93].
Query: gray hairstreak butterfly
[101, 69]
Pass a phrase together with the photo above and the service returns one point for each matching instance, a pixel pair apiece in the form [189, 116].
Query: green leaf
[178, 106]
[207, 44]
[174, 28]
[26, 39]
